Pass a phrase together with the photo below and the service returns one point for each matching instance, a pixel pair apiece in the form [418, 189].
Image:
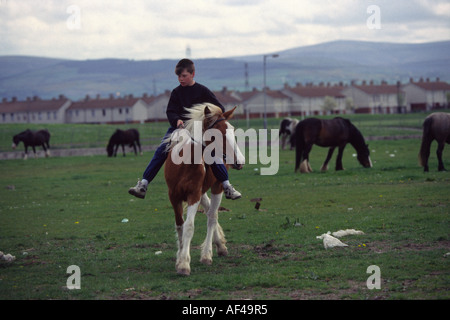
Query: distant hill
[22, 76]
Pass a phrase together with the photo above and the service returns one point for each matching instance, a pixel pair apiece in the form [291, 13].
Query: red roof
[318, 91]
[103, 103]
[225, 97]
[378, 89]
[433, 85]
[33, 105]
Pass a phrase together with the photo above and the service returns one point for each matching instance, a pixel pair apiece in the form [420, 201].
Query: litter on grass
[7, 257]
[330, 240]
[342, 233]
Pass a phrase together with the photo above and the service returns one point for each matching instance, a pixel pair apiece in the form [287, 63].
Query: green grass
[57, 212]
[91, 135]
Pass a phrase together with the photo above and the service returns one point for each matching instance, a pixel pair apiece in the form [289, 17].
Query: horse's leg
[283, 141]
[339, 159]
[184, 258]
[25, 157]
[439, 150]
[305, 167]
[178, 209]
[45, 150]
[123, 150]
[298, 156]
[115, 149]
[219, 241]
[212, 214]
[219, 236]
[134, 148]
[139, 145]
[34, 152]
[205, 202]
[329, 155]
[47, 153]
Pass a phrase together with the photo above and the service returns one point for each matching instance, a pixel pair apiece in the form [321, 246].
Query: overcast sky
[146, 29]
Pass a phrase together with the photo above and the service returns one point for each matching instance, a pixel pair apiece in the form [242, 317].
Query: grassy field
[58, 212]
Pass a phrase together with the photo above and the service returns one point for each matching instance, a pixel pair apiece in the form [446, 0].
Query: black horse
[33, 139]
[287, 127]
[331, 133]
[435, 127]
[121, 138]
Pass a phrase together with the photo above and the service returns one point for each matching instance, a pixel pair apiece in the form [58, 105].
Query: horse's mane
[194, 114]
[197, 113]
[357, 139]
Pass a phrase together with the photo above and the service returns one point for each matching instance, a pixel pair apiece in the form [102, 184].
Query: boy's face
[186, 78]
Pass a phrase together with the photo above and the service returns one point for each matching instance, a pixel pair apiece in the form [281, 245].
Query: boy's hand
[180, 124]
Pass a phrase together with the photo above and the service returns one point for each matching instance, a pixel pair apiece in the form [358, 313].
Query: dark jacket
[186, 97]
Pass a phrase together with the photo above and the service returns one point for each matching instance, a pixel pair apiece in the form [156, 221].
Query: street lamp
[264, 88]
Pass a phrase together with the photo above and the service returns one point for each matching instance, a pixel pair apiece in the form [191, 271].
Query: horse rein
[216, 122]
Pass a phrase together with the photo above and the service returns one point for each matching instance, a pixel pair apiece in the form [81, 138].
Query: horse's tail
[137, 139]
[424, 152]
[299, 139]
[47, 137]
[136, 135]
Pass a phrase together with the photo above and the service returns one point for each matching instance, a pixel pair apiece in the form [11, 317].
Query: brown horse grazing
[287, 128]
[189, 180]
[331, 133]
[435, 127]
[122, 138]
[33, 139]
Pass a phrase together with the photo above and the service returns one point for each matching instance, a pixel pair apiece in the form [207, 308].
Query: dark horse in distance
[331, 133]
[435, 127]
[33, 139]
[121, 138]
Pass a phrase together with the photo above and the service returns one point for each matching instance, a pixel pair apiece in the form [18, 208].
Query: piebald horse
[287, 129]
[189, 180]
[435, 127]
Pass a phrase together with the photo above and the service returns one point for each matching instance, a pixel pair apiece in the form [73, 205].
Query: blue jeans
[160, 156]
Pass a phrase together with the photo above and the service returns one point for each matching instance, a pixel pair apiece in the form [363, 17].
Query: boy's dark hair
[184, 64]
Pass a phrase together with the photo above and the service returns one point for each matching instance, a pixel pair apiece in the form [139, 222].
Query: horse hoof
[206, 261]
[222, 253]
[184, 272]
[305, 167]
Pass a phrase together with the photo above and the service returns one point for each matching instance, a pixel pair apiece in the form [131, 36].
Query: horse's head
[358, 142]
[110, 149]
[16, 141]
[364, 157]
[230, 149]
[19, 137]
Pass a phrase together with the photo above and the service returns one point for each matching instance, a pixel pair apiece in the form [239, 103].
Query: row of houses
[299, 100]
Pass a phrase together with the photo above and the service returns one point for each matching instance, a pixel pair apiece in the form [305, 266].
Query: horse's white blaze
[14, 146]
[370, 162]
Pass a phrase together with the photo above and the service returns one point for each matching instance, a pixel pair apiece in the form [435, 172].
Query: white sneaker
[139, 190]
[231, 193]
